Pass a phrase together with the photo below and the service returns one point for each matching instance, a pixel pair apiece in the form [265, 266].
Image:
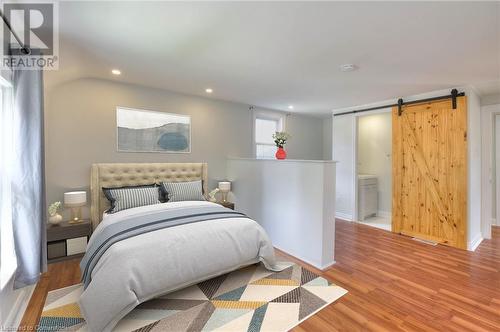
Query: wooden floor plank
[394, 284]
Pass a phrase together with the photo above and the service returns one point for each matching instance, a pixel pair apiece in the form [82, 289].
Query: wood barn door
[430, 171]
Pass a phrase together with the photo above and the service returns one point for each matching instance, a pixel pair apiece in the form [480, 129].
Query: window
[8, 263]
[265, 125]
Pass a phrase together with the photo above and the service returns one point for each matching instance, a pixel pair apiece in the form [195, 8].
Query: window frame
[279, 117]
[8, 261]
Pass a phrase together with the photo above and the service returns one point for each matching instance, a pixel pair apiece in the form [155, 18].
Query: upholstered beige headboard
[118, 175]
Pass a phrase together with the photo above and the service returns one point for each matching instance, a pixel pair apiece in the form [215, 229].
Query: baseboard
[384, 214]
[16, 313]
[319, 267]
[343, 216]
[328, 265]
[472, 245]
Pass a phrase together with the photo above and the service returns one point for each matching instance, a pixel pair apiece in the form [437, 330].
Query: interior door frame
[496, 166]
[356, 157]
[488, 156]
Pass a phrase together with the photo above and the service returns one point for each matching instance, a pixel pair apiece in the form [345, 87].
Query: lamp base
[76, 215]
[224, 196]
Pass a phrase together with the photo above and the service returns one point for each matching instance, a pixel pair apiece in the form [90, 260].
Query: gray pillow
[123, 198]
[183, 191]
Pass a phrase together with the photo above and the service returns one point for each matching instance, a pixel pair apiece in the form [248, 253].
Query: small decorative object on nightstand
[75, 200]
[211, 195]
[54, 217]
[67, 240]
[225, 188]
[228, 205]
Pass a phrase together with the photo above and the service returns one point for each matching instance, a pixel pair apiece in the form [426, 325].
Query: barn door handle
[454, 94]
[400, 106]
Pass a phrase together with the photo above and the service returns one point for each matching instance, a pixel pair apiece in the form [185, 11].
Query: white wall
[327, 138]
[293, 200]
[307, 137]
[344, 144]
[80, 129]
[374, 154]
[493, 99]
[474, 169]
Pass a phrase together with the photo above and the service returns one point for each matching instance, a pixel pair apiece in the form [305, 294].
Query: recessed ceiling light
[208, 90]
[115, 72]
[348, 67]
[290, 107]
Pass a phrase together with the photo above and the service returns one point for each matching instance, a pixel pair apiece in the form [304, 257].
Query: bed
[120, 272]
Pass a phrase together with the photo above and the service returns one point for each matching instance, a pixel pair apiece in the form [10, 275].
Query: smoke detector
[348, 67]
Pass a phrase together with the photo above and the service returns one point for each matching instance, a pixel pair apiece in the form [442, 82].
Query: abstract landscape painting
[150, 131]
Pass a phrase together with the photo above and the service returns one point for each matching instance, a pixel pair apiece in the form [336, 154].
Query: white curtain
[27, 177]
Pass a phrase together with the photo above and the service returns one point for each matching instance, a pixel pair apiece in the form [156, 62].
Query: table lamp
[224, 187]
[75, 200]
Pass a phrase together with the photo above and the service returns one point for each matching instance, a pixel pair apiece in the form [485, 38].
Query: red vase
[280, 154]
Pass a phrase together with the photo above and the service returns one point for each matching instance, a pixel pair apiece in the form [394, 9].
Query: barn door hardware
[454, 94]
[400, 106]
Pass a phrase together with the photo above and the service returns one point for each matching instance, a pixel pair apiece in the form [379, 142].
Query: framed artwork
[150, 131]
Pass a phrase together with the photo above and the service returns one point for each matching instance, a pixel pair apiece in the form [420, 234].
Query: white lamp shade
[225, 186]
[75, 198]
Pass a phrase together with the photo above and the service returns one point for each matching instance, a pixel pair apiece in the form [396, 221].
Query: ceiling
[284, 53]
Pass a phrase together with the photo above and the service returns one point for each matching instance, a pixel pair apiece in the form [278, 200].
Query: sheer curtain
[27, 177]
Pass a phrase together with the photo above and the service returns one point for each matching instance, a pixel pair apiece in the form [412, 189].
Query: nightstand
[66, 241]
[228, 205]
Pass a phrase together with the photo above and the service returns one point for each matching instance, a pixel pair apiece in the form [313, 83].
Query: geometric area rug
[249, 299]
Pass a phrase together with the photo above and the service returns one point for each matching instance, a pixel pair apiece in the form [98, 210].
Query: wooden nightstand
[66, 241]
[228, 205]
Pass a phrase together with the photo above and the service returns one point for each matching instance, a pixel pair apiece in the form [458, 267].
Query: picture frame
[141, 130]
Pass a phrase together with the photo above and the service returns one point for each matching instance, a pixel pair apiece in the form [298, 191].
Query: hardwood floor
[394, 284]
[59, 275]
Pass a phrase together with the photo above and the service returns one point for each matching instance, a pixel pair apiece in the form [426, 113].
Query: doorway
[374, 169]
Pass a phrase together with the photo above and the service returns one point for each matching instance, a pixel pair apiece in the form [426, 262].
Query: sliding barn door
[430, 171]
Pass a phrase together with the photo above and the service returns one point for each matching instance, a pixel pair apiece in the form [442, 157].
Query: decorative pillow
[183, 191]
[123, 198]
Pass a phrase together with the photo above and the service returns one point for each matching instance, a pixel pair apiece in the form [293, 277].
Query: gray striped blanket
[136, 225]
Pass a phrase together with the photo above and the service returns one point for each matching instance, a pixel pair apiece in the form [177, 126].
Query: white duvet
[148, 265]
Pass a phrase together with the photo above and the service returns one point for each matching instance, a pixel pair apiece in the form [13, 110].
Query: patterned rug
[250, 299]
